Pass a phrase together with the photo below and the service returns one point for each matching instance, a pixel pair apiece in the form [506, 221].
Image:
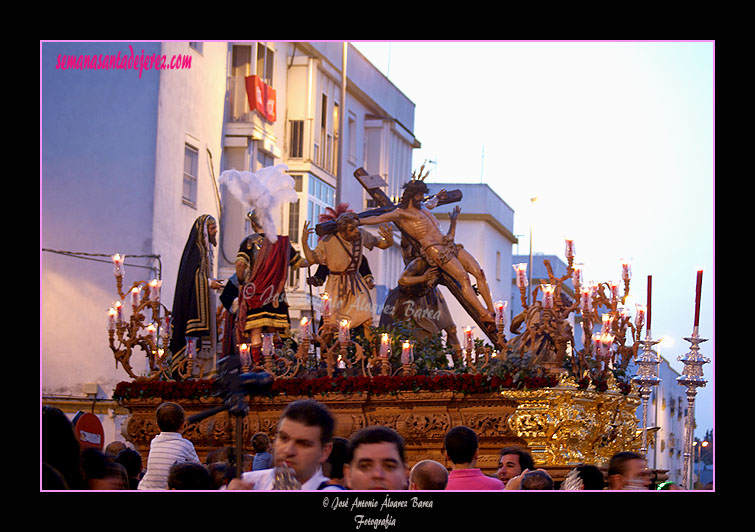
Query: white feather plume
[264, 192]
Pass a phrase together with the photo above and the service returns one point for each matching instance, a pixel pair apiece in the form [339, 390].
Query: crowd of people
[305, 454]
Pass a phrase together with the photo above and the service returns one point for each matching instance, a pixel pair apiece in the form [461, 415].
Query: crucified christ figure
[437, 249]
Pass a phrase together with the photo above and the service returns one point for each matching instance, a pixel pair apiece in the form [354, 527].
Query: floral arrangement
[515, 371]
[465, 383]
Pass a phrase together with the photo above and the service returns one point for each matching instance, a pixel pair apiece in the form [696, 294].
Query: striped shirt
[166, 449]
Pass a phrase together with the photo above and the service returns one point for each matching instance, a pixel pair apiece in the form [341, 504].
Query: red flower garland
[377, 385]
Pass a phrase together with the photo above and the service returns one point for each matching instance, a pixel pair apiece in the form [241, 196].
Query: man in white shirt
[303, 443]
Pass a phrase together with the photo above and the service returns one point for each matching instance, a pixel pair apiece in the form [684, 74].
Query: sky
[614, 139]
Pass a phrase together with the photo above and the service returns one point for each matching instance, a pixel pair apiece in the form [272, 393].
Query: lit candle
[576, 276]
[343, 330]
[244, 355]
[626, 269]
[267, 344]
[585, 300]
[118, 264]
[650, 291]
[385, 345]
[304, 328]
[607, 322]
[569, 248]
[614, 287]
[698, 292]
[111, 319]
[596, 344]
[521, 275]
[499, 312]
[135, 297]
[639, 319]
[325, 306]
[468, 340]
[548, 290]
[606, 341]
[407, 354]
[154, 289]
[190, 347]
[152, 332]
[119, 311]
[166, 330]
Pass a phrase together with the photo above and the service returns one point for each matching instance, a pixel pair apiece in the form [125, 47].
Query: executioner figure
[263, 259]
[437, 249]
[417, 299]
[342, 252]
[255, 296]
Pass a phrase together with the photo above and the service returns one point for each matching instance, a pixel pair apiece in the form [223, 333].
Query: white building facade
[131, 157]
[484, 228]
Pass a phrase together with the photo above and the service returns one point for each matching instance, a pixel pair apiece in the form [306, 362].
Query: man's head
[170, 417]
[347, 225]
[628, 470]
[376, 460]
[428, 475]
[536, 480]
[303, 442]
[592, 477]
[260, 442]
[414, 192]
[254, 222]
[461, 445]
[212, 231]
[189, 476]
[513, 460]
[114, 447]
[333, 467]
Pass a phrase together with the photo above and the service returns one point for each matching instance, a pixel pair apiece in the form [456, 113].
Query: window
[323, 131]
[191, 165]
[265, 57]
[333, 166]
[352, 138]
[498, 265]
[198, 46]
[293, 221]
[297, 139]
[240, 68]
[264, 159]
[321, 196]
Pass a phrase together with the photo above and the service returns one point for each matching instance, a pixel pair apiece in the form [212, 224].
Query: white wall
[98, 139]
[190, 110]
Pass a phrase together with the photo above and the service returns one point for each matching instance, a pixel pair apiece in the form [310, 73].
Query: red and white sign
[261, 97]
[89, 430]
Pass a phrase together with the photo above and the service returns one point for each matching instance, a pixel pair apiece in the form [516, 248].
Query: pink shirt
[472, 479]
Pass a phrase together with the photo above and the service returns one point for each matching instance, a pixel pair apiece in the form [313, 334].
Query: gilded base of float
[561, 426]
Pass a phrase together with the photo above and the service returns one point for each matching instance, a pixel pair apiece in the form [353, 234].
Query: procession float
[234, 368]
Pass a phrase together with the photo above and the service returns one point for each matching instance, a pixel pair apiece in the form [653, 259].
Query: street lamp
[697, 447]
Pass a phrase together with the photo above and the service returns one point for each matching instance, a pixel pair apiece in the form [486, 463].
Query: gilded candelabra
[549, 335]
[138, 331]
[335, 341]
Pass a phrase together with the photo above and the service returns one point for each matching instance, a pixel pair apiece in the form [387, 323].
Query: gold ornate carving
[561, 426]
